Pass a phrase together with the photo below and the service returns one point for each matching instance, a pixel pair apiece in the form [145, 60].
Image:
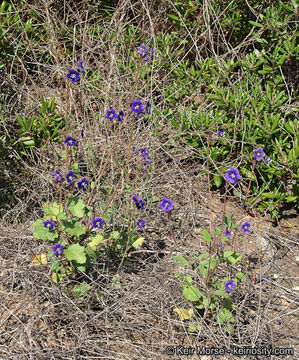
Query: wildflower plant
[76, 232]
[214, 300]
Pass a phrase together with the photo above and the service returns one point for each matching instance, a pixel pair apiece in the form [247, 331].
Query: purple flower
[73, 75]
[144, 153]
[49, 224]
[221, 132]
[142, 50]
[148, 160]
[138, 201]
[70, 141]
[267, 160]
[152, 53]
[227, 233]
[111, 114]
[232, 175]
[140, 224]
[229, 286]
[57, 249]
[148, 107]
[137, 106]
[245, 227]
[82, 183]
[258, 154]
[166, 204]
[82, 132]
[69, 177]
[97, 222]
[219, 243]
[81, 67]
[120, 116]
[57, 176]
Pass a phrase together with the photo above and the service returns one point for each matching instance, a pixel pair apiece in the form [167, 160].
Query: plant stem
[247, 192]
[224, 204]
[100, 173]
[210, 211]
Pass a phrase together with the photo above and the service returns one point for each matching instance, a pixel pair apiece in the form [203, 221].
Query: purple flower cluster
[69, 177]
[57, 176]
[97, 222]
[245, 227]
[221, 132]
[148, 107]
[137, 106]
[112, 114]
[57, 249]
[137, 200]
[227, 233]
[81, 67]
[143, 51]
[48, 224]
[166, 204]
[259, 155]
[70, 141]
[145, 155]
[232, 175]
[229, 286]
[82, 183]
[74, 75]
[140, 224]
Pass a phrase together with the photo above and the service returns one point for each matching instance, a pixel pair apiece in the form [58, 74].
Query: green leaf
[246, 173]
[43, 233]
[219, 292]
[88, 211]
[74, 228]
[95, 241]
[228, 221]
[76, 206]
[218, 230]
[180, 260]
[51, 209]
[241, 276]
[81, 289]
[115, 235]
[220, 317]
[218, 180]
[192, 293]
[138, 243]
[173, 17]
[232, 257]
[75, 252]
[254, 23]
[206, 235]
[194, 327]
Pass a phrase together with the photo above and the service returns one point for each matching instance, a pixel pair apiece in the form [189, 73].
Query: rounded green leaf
[95, 241]
[192, 293]
[75, 252]
[74, 228]
[76, 206]
[206, 235]
[180, 260]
